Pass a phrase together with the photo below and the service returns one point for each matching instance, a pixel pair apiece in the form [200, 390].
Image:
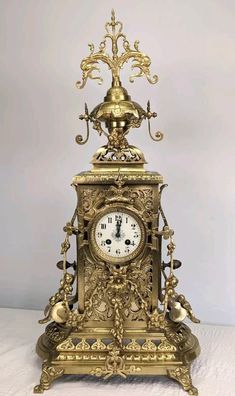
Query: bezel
[117, 260]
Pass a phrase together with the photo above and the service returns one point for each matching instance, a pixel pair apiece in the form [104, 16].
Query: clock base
[167, 352]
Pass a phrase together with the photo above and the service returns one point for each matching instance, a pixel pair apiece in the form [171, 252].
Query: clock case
[138, 193]
[118, 318]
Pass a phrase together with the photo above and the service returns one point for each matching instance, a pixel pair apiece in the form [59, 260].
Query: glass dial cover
[118, 235]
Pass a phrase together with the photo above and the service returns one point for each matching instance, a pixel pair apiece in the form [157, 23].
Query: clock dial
[118, 235]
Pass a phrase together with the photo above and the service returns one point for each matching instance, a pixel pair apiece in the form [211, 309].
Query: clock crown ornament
[118, 113]
[117, 311]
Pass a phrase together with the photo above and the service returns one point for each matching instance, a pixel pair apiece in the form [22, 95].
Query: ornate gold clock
[117, 311]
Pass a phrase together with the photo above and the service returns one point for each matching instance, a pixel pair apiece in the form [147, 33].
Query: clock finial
[115, 62]
[117, 114]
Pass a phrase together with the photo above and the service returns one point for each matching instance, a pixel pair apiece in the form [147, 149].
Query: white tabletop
[20, 368]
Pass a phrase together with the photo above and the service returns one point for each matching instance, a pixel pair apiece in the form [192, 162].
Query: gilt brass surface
[118, 315]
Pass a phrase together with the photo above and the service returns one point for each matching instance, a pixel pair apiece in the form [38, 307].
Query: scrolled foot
[38, 389]
[49, 374]
[193, 391]
[182, 375]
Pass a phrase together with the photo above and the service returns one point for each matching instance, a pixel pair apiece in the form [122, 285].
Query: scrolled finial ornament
[115, 61]
[118, 112]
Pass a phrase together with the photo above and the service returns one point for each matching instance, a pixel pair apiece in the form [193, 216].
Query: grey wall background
[192, 48]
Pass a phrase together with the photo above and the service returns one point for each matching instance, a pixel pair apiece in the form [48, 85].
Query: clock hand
[118, 226]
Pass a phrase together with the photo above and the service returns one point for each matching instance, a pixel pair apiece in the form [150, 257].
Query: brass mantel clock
[117, 311]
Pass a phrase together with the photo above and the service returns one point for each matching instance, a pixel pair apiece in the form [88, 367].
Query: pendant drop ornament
[117, 310]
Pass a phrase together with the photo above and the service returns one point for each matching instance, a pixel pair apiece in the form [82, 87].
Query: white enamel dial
[118, 234]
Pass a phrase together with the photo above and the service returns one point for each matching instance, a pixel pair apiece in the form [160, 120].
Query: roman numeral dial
[118, 235]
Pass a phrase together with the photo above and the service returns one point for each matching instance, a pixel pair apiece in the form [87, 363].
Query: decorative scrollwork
[156, 320]
[49, 374]
[115, 62]
[182, 375]
[115, 365]
[79, 139]
[158, 135]
[75, 319]
[130, 155]
[56, 333]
